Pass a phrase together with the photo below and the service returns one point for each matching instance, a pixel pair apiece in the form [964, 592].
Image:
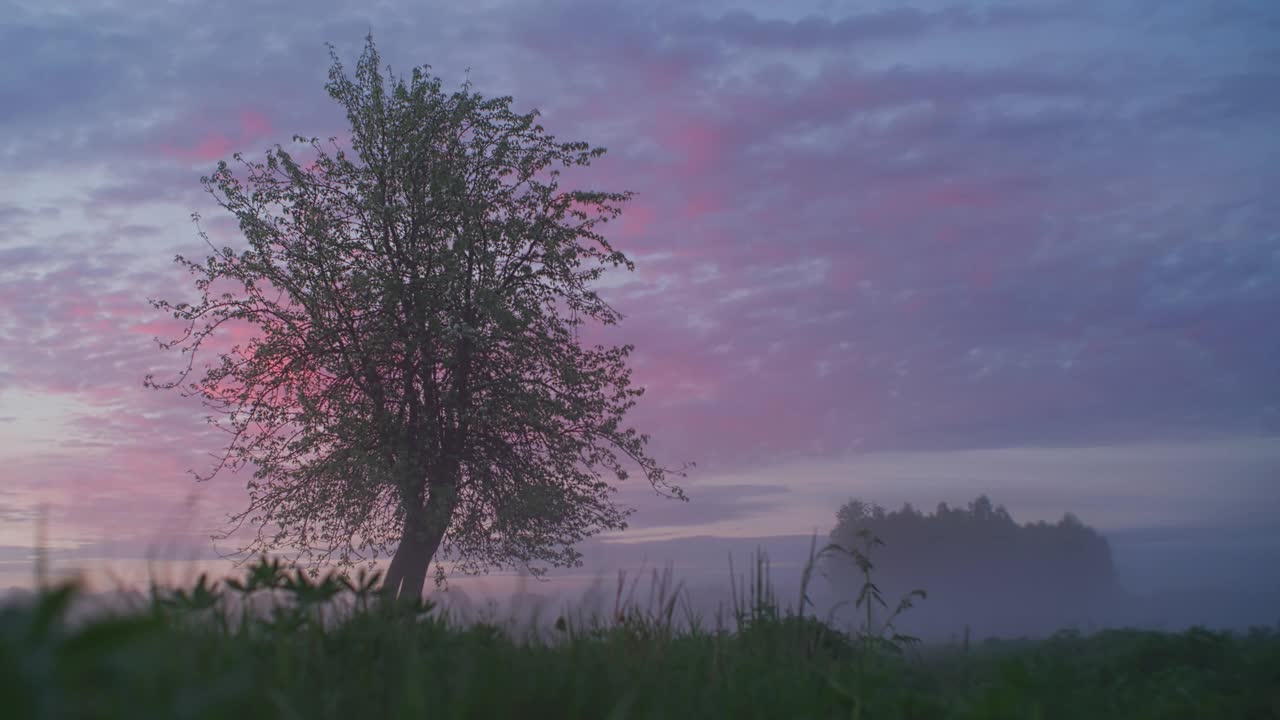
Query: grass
[325, 648]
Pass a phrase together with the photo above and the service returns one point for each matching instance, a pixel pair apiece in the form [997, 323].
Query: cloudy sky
[904, 251]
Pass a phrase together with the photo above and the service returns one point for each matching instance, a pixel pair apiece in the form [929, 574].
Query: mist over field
[1164, 579]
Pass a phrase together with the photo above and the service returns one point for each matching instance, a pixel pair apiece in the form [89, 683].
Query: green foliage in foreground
[190, 654]
[187, 655]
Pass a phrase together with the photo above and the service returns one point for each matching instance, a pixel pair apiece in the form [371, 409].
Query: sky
[904, 251]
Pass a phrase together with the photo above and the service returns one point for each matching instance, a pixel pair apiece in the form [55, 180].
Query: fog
[1167, 579]
[1164, 579]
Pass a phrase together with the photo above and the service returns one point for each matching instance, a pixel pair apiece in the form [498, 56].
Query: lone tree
[414, 377]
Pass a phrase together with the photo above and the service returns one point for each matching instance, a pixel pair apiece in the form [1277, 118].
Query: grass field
[188, 654]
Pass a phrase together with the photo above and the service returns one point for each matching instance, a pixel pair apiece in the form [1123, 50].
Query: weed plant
[278, 643]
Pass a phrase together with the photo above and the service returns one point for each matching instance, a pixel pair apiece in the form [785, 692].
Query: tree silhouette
[982, 568]
[415, 377]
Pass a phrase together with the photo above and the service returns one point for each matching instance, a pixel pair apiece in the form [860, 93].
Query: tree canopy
[413, 376]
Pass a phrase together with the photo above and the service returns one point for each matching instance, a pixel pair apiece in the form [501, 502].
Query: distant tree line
[981, 569]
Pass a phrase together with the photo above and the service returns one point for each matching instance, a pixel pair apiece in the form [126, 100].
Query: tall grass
[279, 643]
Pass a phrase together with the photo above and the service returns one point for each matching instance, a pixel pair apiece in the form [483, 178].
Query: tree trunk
[424, 529]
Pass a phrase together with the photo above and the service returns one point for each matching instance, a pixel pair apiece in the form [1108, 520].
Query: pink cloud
[698, 145]
[210, 145]
[215, 146]
[637, 219]
[254, 125]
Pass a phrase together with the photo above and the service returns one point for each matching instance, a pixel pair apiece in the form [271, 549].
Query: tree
[415, 376]
[980, 566]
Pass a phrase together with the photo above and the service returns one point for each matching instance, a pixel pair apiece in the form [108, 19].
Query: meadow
[282, 643]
